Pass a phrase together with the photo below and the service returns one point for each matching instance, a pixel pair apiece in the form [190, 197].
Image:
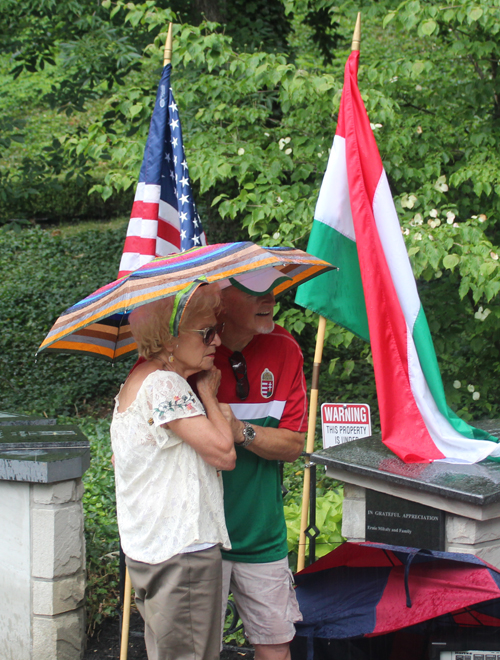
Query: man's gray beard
[267, 331]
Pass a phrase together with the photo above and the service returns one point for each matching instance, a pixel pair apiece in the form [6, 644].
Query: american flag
[164, 217]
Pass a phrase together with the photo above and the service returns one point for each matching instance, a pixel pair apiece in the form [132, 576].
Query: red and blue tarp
[369, 589]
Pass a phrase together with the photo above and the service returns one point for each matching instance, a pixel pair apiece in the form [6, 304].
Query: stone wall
[42, 571]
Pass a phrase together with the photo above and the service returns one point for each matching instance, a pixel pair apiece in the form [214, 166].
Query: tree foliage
[258, 86]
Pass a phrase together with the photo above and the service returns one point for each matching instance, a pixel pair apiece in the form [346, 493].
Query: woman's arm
[210, 436]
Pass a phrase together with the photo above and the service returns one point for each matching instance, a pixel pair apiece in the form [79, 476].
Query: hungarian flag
[164, 217]
[374, 295]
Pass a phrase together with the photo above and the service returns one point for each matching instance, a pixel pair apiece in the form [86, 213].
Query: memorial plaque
[12, 419]
[396, 521]
[41, 437]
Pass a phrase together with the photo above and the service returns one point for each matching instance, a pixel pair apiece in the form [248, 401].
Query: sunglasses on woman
[208, 334]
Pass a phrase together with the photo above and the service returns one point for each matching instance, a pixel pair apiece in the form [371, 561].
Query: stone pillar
[58, 570]
[354, 513]
[42, 546]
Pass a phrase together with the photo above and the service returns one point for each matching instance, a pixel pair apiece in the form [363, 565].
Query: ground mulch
[105, 643]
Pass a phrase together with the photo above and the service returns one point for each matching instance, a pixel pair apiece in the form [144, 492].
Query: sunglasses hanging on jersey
[239, 367]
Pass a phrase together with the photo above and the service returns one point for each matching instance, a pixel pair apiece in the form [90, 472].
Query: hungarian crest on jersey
[267, 384]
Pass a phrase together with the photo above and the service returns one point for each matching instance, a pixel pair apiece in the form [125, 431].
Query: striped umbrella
[98, 325]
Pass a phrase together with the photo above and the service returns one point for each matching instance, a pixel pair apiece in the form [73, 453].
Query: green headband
[181, 301]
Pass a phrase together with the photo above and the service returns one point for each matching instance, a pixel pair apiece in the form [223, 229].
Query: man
[263, 381]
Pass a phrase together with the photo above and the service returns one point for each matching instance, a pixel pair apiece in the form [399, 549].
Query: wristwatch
[248, 435]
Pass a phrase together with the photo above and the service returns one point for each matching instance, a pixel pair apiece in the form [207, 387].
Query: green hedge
[44, 271]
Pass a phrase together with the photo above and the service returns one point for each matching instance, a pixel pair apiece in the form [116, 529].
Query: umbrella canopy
[371, 589]
[98, 325]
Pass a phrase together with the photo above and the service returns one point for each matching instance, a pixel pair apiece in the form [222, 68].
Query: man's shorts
[265, 598]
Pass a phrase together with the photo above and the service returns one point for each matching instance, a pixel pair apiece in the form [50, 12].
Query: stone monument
[42, 546]
[437, 506]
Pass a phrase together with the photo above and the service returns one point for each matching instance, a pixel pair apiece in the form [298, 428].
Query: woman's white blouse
[167, 496]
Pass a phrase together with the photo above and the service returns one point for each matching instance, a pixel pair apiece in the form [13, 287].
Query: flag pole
[127, 600]
[311, 432]
[313, 403]
[167, 53]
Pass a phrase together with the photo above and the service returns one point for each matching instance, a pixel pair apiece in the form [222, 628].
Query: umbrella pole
[311, 432]
[127, 600]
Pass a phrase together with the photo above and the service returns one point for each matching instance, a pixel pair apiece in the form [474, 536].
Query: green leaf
[450, 261]
[426, 28]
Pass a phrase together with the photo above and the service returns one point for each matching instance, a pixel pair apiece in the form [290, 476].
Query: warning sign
[342, 422]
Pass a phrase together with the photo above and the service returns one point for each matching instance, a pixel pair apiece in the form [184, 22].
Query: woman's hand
[208, 382]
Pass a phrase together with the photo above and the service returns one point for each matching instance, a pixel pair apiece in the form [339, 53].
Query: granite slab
[40, 436]
[43, 465]
[477, 484]
[13, 419]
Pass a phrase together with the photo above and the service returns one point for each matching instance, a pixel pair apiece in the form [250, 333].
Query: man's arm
[270, 443]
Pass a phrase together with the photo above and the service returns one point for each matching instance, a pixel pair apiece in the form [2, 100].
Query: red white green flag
[374, 295]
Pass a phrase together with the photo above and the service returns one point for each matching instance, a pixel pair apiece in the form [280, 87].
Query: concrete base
[463, 533]
[42, 571]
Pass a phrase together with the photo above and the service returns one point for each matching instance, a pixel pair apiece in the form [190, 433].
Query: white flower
[456, 225]
[266, 134]
[450, 217]
[406, 231]
[418, 236]
[279, 200]
[375, 126]
[320, 154]
[457, 384]
[494, 256]
[281, 143]
[276, 235]
[481, 314]
[431, 237]
[393, 80]
[241, 151]
[432, 223]
[418, 88]
[288, 151]
[482, 218]
[476, 396]
[417, 219]
[470, 388]
[420, 130]
[287, 140]
[433, 213]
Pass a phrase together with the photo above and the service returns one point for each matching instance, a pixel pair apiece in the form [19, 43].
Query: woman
[168, 448]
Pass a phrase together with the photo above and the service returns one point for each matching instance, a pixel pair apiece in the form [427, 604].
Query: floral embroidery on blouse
[177, 403]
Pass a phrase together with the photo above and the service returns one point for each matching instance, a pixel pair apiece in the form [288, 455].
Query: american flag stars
[164, 189]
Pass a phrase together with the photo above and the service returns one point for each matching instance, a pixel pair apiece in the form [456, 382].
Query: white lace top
[167, 496]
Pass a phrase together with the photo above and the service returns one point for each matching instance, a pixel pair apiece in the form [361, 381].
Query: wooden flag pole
[167, 53]
[356, 37]
[127, 601]
[127, 592]
[313, 405]
[311, 432]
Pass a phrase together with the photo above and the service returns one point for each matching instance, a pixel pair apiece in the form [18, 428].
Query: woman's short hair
[149, 323]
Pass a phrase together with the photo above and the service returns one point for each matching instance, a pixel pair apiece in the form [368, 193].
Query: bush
[44, 271]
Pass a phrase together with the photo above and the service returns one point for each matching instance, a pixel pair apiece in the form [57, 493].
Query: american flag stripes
[164, 219]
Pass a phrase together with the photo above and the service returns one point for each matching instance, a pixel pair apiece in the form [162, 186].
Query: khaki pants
[179, 601]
